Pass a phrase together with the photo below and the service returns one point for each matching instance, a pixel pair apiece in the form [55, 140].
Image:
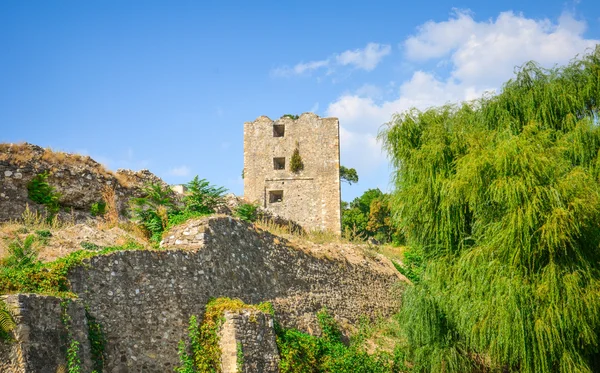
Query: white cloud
[476, 57]
[487, 52]
[180, 171]
[366, 59]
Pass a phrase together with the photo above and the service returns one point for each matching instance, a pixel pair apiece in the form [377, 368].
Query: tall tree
[502, 198]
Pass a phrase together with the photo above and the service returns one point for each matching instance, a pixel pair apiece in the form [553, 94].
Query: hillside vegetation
[500, 198]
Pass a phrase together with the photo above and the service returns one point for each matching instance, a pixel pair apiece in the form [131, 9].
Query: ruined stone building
[310, 196]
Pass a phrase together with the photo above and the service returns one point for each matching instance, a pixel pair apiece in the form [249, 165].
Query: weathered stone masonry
[310, 197]
[143, 299]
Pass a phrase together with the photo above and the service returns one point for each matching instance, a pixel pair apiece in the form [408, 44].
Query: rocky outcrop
[78, 179]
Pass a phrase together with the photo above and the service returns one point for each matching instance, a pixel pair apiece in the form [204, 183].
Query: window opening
[275, 196]
[278, 130]
[279, 163]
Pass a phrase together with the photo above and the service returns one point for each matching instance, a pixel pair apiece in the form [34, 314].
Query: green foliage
[247, 212]
[98, 208]
[49, 278]
[240, 357]
[201, 197]
[348, 175]
[296, 164]
[157, 210]
[97, 342]
[152, 211]
[412, 265]
[300, 352]
[7, 323]
[502, 198]
[90, 246]
[370, 216]
[202, 353]
[291, 116]
[41, 192]
[21, 253]
[73, 361]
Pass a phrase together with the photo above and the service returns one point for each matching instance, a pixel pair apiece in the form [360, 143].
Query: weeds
[41, 192]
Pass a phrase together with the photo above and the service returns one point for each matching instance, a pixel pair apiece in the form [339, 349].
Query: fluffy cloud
[480, 57]
[180, 171]
[366, 59]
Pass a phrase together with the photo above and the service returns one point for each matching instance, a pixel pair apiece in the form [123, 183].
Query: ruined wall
[143, 299]
[41, 335]
[251, 331]
[78, 179]
[312, 196]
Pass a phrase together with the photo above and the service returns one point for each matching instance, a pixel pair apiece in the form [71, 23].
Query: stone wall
[312, 196]
[251, 331]
[78, 179]
[41, 335]
[143, 299]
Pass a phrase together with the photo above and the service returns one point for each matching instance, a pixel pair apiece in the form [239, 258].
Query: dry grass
[111, 216]
[24, 153]
[328, 245]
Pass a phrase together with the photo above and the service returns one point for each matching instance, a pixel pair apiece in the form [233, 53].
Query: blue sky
[167, 85]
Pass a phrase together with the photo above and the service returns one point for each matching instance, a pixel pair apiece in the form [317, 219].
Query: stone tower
[311, 196]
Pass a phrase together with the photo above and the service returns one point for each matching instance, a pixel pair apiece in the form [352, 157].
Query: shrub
[41, 192]
[201, 197]
[296, 164]
[22, 253]
[247, 212]
[291, 116]
[98, 208]
[151, 211]
[300, 352]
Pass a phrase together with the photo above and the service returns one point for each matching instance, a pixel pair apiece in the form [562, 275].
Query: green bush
[202, 197]
[158, 211]
[41, 192]
[247, 212]
[98, 208]
[300, 352]
[21, 253]
[296, 164]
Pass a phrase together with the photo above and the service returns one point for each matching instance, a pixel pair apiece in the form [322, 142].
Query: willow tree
[501, 197]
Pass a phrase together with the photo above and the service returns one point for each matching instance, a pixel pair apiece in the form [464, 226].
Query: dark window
[278, 130]
[275, 196]
[279, 163]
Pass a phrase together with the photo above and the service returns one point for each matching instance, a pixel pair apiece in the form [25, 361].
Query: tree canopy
[348, 175]
[501, 197]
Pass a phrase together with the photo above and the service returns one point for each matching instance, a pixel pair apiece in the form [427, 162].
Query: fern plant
[7, 323]
[22, 253]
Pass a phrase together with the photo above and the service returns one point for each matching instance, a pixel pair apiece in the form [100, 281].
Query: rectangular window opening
[275, 196]
[279, 163]
[278, 130]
